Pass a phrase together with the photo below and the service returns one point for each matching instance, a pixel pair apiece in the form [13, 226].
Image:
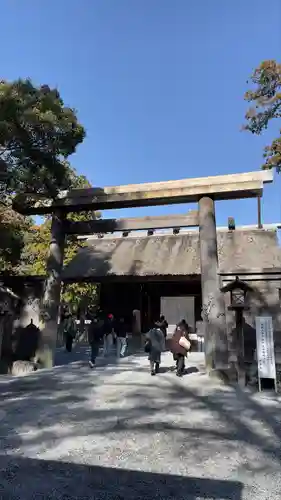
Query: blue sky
[158, 85]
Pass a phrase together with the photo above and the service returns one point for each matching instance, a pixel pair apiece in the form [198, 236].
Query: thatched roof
[173, 255]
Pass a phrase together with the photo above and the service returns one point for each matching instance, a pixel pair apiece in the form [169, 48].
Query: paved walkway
[117, 433]
[81, 352]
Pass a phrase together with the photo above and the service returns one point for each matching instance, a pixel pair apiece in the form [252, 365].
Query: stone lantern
[238, 294]
[238, 302]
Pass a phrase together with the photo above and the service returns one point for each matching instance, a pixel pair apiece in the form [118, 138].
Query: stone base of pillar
[227, 376]
[46, 350]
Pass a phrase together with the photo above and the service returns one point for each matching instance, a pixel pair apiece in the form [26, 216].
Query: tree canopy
[37, 134]
[266, 99]
[36, 249]
[13, 230]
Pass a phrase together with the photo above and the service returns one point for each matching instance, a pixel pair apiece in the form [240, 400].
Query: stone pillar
[213, 306]
[52, 292]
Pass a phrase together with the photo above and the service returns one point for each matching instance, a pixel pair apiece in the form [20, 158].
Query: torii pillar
[52, 292]
[213, 305]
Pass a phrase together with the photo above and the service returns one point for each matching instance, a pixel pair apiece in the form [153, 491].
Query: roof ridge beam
[132, 224]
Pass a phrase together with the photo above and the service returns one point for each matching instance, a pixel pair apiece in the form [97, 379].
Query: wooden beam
[222, 187]
[217, 180]
[132, 224]
[101, 201]
[259, 213]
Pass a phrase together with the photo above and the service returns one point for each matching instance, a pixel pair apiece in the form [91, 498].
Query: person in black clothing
[68, 327]
[109, 332]
[163, 325]
[95, 334]
[185, 327]
[121, 338]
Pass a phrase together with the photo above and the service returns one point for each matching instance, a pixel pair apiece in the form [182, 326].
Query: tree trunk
[213, 306]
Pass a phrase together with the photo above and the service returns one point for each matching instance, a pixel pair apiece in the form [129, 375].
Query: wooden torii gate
[205, 191]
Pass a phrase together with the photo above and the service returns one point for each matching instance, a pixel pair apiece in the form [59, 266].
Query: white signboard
[265, 348]
[177, 308]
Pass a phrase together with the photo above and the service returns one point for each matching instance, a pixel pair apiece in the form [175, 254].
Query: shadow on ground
[27, 478]
[115, 406]
[81, 352]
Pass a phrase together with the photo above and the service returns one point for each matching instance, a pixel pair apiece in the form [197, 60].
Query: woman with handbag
[154, 345]
[180, 345]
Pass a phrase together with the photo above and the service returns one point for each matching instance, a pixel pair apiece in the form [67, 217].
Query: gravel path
[117, 433]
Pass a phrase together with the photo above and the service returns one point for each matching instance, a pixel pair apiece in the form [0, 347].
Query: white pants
[121, 346]
[107, 344]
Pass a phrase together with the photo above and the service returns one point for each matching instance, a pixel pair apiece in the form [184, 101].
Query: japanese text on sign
[265, 347]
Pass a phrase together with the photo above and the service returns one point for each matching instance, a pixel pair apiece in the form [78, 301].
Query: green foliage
[37, 134]
[37, 249]
[266, 97]
[13, 228]
[36, 254]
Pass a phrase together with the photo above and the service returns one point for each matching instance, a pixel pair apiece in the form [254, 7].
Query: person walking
[155, 344]
[178, 350]
[95, 335]
[121, 338]
[69, 330]
[108, 331]
[183, 324]
[163, 325]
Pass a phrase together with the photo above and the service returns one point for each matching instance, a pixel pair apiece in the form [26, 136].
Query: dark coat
[163, 325]
[176, 348]
[95, 333]
[120, 329]
[108, 326]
